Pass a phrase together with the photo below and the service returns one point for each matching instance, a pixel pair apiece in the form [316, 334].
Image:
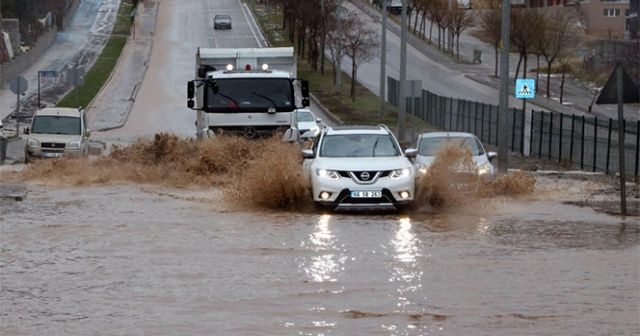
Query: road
[182, 27]
[122, 258]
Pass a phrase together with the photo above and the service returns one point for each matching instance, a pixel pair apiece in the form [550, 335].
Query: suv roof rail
[385, 127]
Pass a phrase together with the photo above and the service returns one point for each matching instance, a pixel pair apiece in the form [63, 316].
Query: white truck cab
[251, 92]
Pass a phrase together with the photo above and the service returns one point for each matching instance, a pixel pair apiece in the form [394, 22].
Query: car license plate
[366, 194]
[51, 154]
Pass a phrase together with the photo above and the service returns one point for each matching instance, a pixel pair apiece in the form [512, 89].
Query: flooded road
[144, 260]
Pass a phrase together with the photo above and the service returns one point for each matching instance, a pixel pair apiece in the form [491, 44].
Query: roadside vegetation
[99, 73]
[353, 103]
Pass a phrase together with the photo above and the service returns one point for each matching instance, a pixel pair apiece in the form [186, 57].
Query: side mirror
[411, 153]
[307, 154]
[304, 87]
[26, 130]
[318, 120]
[190, 104]
[308, 135]
[492, 155]
[88, 132]
[203, 69]
[291, 135]
[305, 102]
[191, 88]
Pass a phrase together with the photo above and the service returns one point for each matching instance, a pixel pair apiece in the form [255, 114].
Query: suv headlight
[33, 143]
[327, 173]
[73, 144]
[422, 169]
[485, 168]
[400, 173]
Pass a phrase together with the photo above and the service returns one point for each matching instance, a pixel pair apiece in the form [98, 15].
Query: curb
[325, 110]
[136, 87]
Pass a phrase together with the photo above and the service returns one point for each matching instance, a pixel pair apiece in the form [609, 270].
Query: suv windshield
[56, 125]
[430, 146]
[358, 145]
[304, 116]
[251, 95]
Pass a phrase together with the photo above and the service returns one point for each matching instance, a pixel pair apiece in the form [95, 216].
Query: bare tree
[360, 44]
[524, 23]
[557, 39]
[459, 20]
[335, 45]
[490, 28]
[565, 67]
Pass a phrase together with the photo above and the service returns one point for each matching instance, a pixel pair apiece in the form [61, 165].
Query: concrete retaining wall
[9, 71]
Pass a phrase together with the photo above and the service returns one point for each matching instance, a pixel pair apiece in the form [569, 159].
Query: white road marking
[249, 17]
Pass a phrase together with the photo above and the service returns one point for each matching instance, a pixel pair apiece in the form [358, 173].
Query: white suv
[359, 167]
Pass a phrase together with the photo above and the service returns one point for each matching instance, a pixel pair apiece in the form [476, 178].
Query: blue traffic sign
[525, 88]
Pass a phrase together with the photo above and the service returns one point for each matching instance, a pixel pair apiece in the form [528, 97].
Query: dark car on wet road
[222, 21]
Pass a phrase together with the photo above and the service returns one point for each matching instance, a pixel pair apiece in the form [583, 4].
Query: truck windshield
[250, 95]
[56, 125]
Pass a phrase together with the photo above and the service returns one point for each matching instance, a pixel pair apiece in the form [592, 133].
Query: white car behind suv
[359, 168]
[430, 143]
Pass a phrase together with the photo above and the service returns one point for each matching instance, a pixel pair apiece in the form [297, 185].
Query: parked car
[222, 21]
[56, 132]
[359, 168]
[428, 145]
[307, 124]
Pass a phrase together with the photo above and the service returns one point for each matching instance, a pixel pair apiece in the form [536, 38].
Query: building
[632, 20]
[606, 19]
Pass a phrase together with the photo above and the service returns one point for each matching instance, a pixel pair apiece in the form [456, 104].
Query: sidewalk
[110, 109]
[77, 46]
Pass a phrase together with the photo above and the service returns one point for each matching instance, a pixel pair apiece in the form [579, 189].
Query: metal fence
[586, 143]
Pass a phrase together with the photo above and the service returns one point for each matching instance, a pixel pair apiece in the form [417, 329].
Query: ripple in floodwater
[130, 260]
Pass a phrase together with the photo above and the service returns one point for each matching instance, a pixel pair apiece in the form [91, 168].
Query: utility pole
[339, 47]
[383, 56]
[503, 128]
[403, 73]
[621, 130]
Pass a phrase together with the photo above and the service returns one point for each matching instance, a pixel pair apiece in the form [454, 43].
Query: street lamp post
[383, 56]
[338, 87]
[403, 73]
[503, 129]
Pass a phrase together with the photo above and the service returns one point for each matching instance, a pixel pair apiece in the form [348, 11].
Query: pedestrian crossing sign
[525, 88]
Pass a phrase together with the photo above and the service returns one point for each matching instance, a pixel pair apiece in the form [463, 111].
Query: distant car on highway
[222, 21]
[56, 132]
[428, 145]
[307, 124]
[359, 168]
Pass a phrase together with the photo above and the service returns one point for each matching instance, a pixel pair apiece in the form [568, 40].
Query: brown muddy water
[170, 237]
[147, 260]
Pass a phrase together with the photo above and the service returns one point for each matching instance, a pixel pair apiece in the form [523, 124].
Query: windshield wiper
[235, 103]
[273, 102]
[375, 145]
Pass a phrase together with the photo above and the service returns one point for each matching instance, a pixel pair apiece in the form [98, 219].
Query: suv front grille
[372, 174]
[53, 145]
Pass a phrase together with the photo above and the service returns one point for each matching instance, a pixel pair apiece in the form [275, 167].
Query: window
[611, 12]
[615, 1]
